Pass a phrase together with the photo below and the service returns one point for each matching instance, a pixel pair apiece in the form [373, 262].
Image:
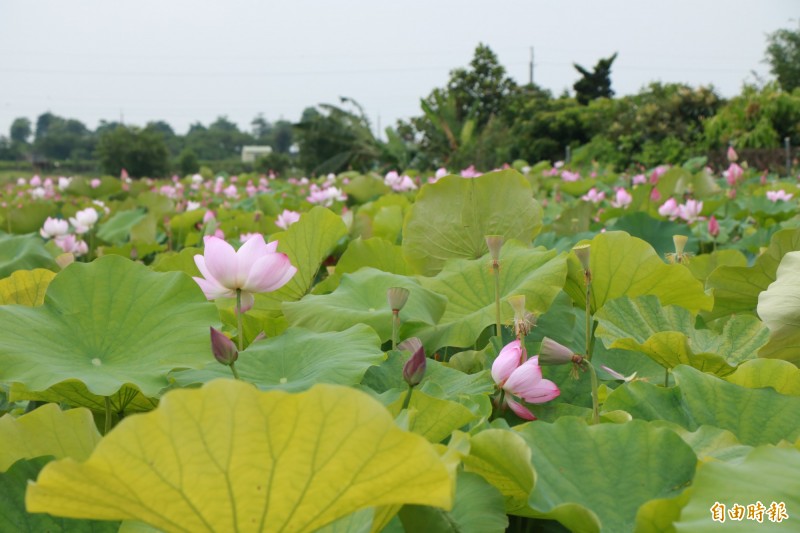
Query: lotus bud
[713, 227]
[582, 253]
[224, 349]
[397, 297]
[414, 368]
[553, 353]
[732, 155]
[495, 243]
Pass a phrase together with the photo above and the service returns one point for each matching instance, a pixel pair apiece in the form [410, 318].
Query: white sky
[192, 60]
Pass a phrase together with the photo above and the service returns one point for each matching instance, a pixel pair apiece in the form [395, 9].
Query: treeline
[481, 117]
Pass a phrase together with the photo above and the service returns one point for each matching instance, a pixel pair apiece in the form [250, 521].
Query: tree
[60, 138]
[595, 84]
[142, 152]
[21, 130]
[783, 55]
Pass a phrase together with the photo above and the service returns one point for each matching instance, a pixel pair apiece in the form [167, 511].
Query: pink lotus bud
[414, 368]
[713, 226]
[224, 349]
[732, 155]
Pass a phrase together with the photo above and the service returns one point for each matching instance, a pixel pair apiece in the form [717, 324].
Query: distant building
[251, 153]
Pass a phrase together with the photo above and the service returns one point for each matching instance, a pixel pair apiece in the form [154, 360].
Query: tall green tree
[783, 56]
[141, 152]
[596, 83]
[21, 130]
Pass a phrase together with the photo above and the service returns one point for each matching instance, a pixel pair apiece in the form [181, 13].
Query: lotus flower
[54, 227]
[732, 155]
[71, 244]
[594, 196]
[255, 267]
[622, 199]
[690, 211]
[287, 218]
[521, 378]
[733, 174]
[84, 220]
[713, 227]
[778, 196]
[669, 209]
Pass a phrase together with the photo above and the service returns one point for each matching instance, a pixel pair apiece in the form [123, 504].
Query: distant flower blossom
[733, 174]
[399, 183]
[326, 196]
[669, 209]
[732, 155]
[622, 198]
[287, 218]
[657, 173]
[84, 220]
[192, 205]
[470, 172]
[779, 196]
[37, 192]
[231, 191]
[690, 211]
[71, 244]
[54, 227]
[639, 179]
[63, 183]
[713, 227]
[197, 179]
[567, 175]
[95, 183]
[35, 181]
[594, 196]
[558, 164]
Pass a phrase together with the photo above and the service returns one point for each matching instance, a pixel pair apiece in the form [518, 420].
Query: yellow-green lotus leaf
[25, 287]
[228, 457]
[47, 431]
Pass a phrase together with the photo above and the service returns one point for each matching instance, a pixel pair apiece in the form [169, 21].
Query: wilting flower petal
[507, 361]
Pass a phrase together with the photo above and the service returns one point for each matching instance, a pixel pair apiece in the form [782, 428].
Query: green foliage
[141, 152]
[188, 162]
[783, 56]
[595, 84]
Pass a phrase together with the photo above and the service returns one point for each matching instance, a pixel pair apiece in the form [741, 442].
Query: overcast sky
[193, 60]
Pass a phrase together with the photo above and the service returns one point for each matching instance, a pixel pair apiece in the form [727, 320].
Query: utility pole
[530, 65]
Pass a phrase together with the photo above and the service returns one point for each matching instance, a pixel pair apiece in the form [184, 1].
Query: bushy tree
[596, 83]
[21, 130]
[60, 138]
[783, 56]
[142, 152]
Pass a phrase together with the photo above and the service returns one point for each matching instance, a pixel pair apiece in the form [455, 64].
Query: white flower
[84, 220]
[54, 227]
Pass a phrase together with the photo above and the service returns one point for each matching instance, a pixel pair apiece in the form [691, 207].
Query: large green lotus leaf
[375, 252]
[299, 358]
[703, 265]
[451, 218]
[125, 401]
[576, 464]
[657, 233]
[358, 522]
[117, 229]
[182, 261]
[503, 459]
[782, 376]
[228, 457]
[657, 516]
[779, 308]
[14, 517]
[361, 298]
[754, 416]
[667, 335]
[107, 323]
[28, 217]
[23, 252]
[307, 242]
[622, 265]
[47, 431]
[433, 418]
[25, 287]
[678, 181]
[477, 508]
[736, 288]
[469, 287]
[710, 443]
[766, 475]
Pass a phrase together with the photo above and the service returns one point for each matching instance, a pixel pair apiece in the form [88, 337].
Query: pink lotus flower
[95, 183]
[657, 173]
[470, 172]
[732, 155]
[54, 227]
[713, 226]
[622, 198]
[733, 174]
[521, 377]
[255, 267]
[567, 175]
[287, 218]
[690, 211]
[669, 209]
[779, 196]
[35, 181]
[594, 196]
[71, 244]
[84, 220]
[639, 179]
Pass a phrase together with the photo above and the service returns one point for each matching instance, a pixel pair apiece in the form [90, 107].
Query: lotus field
[530, 349]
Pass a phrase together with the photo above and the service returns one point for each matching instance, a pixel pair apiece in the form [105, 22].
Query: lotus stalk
[397, 297]
[583, 255]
